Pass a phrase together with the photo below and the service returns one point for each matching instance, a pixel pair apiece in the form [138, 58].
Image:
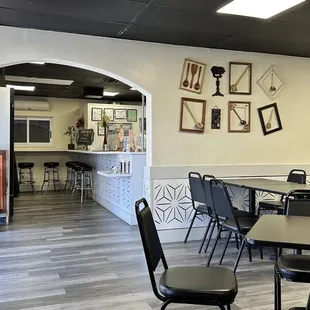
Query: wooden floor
[60, 256]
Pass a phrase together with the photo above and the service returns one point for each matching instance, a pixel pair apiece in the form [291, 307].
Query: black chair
[295, 176]
[198, 197]
[294, 267]
[185, 285]
[238, 225]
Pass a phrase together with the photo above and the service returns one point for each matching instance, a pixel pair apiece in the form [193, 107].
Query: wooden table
[280, 231]
[265, 185]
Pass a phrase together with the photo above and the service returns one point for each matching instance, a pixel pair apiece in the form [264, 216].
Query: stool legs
[82, 180]
[51, 175]
[23, 171]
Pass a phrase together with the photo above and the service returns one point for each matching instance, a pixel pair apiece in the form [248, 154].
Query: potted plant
[71, 134]
[105, 124]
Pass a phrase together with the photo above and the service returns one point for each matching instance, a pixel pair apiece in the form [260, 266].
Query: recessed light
[37, 62]
[109, 94]
[132, 88]
[258, 8]
[19, 87]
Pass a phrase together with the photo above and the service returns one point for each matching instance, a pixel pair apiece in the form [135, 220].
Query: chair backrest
[207, 187]
[297, 176]
[196, 188]
[222, 203]
[298, 203]
[151, 244]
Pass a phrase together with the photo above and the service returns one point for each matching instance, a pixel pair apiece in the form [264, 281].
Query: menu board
[85, 137]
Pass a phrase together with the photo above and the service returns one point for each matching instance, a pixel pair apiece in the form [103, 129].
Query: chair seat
[241, 213]
[245, 224]
[295, 268]
[271, 204]
[207, 284]
[203, 209]
[51, 164]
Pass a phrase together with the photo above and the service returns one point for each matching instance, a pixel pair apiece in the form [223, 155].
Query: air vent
[93, 92]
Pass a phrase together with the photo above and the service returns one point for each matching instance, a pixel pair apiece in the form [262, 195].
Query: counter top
[105, 152]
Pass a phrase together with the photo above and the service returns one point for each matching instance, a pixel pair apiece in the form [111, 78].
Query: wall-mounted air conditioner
[25, 105]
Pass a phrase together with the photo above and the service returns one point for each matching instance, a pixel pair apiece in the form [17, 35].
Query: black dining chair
[183, 284]
[294, 267]
[198, 197]
[295, 176]
[238, 225]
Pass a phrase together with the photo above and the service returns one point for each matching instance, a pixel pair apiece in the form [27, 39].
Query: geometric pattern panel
[172, 205]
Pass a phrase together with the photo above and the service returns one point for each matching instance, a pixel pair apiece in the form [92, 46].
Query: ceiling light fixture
[35, 80]
[19, 87]
[109, 94]
[37, 62]
[132, 88]
[258, 8]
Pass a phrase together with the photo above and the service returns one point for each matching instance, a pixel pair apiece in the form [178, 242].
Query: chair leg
[250, 252]
[225, 248]
[228, 307]
[237, 241]
[165, 304]
[239, 254]
[190, 226]
[205, 235]
[214, 246]
[261, 252]
[222, 307]
[210, 236]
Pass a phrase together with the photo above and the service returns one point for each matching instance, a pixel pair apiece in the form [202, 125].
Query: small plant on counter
[105, 124]
[71, 131]
[80, 122]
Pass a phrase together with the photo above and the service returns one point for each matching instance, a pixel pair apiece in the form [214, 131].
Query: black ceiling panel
[181, 22]
[80, 78]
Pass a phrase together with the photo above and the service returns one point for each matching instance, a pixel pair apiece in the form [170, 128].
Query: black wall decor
[217, 74]
[216, 118]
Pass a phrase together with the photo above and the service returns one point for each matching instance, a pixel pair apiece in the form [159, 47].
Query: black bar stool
[51, 175]
[25, 168]
[82, 179]
[70, 174]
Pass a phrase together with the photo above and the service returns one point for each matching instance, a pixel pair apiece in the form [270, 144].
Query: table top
[267, 185]
[281, 231]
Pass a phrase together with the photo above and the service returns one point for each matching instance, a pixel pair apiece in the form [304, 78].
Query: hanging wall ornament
[216, 118]
[217, 74]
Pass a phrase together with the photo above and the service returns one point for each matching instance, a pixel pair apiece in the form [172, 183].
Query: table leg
[277, 285]
[252, 201]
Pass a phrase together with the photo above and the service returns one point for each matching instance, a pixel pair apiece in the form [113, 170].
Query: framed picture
[193, 113]
[96, 114]
[271, 83]
[100, 130]
[240, 78]
[192, 77]
[120, 114]
[110, 113]
[131, 115]
[115, 127]
[269, 118]
[239, 116]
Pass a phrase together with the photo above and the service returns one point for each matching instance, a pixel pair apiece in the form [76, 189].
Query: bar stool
[25, 168]
[51, 175]
[82, 179]
[70, 174]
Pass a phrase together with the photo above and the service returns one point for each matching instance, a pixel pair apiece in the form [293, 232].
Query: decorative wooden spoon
[186, 82]
[194, 69]
[197, 85]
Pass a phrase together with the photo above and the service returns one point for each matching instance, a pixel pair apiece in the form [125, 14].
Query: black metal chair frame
[152, 262]
[232, 216]
[294, 197]
[198, 195]
[292, 177]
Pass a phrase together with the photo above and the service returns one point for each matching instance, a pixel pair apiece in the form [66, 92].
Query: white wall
[64, 112]
[155, 70]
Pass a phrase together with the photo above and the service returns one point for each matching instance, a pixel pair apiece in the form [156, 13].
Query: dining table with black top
[280, 231]
[264, 185]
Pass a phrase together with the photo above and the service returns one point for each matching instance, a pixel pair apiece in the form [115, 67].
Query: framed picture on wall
[110, 113]
[96, 114]
[115, 127]
[120, 114]
[131, 115]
